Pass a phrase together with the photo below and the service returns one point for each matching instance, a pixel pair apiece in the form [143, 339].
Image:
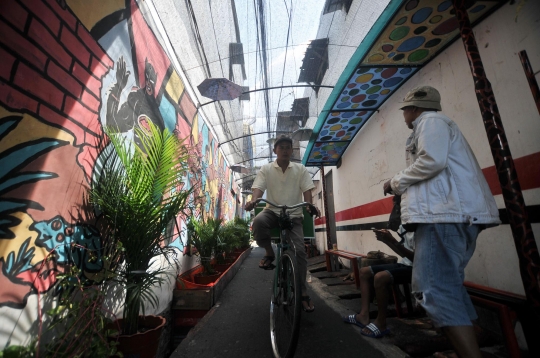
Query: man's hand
[387, 188]
[385, 236]
[313, 210]
[249, 205]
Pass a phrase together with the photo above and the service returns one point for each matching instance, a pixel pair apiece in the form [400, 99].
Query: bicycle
[285, 304]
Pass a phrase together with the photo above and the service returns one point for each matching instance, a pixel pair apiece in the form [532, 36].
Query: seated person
[383, 276]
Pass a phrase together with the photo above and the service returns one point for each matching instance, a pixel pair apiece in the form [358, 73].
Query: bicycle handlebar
[285, 207]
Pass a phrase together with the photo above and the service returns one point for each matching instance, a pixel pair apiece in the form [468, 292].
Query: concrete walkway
[238, 325]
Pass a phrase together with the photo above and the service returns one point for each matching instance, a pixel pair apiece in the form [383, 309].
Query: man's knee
[365, 273]
[382, 279]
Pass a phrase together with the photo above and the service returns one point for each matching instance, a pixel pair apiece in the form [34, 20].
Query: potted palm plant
[205, 235]
[233, 233]
[137, 195]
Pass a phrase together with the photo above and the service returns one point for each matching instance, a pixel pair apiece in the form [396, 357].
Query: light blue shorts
[441, 253]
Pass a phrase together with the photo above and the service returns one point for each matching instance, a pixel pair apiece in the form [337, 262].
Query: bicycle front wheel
[285, 308]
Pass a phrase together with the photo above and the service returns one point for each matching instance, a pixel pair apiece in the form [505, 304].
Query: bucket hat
[422, 97]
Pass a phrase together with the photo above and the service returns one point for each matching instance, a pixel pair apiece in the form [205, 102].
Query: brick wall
[51, 67]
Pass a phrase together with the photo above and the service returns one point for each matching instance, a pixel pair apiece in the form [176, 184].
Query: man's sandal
[266, 263]
[352, 320]
[373, 331]
[307, 300]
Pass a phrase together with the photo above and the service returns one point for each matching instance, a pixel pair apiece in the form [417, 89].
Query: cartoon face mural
[68, 68]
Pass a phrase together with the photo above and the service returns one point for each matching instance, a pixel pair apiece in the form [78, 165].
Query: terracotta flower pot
[205, 280]
[143, 344]
[222, 267]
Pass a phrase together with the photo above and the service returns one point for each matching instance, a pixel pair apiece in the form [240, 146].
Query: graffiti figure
[141, 105]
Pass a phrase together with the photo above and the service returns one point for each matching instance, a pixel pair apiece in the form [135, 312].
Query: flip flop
[307, 299]
[374, 332]
[352, 320]
[266, 263]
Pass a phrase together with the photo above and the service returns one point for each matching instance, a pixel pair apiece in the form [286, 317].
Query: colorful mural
[67, 69]
[407, 36]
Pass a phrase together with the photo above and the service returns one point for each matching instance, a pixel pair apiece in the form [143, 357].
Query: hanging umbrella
[220, 89]
[239, 168]
[302, 134]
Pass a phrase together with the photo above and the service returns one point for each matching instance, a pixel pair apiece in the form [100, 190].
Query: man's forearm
[308, 197]
[401, 250]
[257, 194]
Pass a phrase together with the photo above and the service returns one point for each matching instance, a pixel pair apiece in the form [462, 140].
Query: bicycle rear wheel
[285, 308]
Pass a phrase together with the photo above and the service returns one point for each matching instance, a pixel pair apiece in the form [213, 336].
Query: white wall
[377, 152]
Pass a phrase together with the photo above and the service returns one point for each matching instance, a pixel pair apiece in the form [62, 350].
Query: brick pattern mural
[64, 75]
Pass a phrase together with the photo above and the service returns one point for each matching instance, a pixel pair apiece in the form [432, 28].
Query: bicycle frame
[285, 303]
[283, 243]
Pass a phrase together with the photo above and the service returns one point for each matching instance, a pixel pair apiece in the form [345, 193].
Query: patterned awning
[406, 37]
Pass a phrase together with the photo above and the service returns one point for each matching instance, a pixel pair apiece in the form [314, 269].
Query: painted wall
[67, 69]
[377, 152]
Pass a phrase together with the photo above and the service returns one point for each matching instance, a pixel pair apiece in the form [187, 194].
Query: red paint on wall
[147, 46]
[91, 82]
[17, 15]
[6, 64]
[16, 99]
[40, 35]
[527, 167]
[65, 14]
[94, 47]
[63, 78]
[19, 44]
[44, 14]
[34, 83]
[75, 47]
[528, 170]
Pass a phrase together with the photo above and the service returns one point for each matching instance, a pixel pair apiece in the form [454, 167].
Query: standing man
[285, 183]
[444, 193]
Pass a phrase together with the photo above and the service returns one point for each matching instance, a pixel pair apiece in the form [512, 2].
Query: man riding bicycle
[285, 183]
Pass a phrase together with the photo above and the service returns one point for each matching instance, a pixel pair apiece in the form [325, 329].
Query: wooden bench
[351, 256]
[354, 259]
[408, 299]
[508, 306]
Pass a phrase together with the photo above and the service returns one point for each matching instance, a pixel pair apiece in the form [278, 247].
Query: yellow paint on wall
[28, 129]
[90, 12]
[22, 233]
[195, 129]
[175, 86]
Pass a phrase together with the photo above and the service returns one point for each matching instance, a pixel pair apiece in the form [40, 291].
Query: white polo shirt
[284, 188]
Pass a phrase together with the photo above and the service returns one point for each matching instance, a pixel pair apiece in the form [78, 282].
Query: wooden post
[329, 245]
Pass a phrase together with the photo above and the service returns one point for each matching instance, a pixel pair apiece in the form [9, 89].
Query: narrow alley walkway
[238, 326]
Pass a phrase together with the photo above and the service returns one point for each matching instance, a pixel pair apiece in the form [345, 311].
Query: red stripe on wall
[527, 167]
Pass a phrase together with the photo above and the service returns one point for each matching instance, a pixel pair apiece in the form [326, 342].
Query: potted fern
[137, 195]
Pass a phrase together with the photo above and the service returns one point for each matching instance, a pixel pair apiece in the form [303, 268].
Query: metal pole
[271, 88]
[527, 251]
[530, 77]
[243, 136]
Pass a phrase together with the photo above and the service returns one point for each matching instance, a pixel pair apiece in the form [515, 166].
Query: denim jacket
[443, 182]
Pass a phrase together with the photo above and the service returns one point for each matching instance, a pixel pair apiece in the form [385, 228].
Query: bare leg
[464, 341]
[267, 246]
[365, 289]
[381, 282]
